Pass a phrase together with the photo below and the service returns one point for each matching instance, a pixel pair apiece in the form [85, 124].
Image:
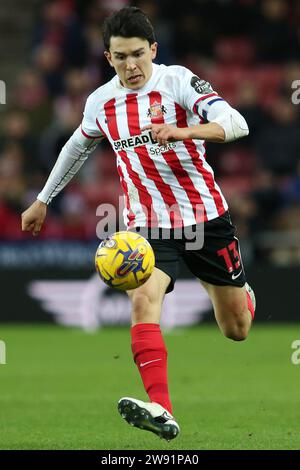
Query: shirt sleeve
[199, 97]
[75, 152]
[71, 158]
[89, 127]
[233, 123]
[196, 93]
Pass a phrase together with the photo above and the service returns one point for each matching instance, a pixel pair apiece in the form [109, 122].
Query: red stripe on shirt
[179, 171]
[110, 113]
[100, 128]
[190, 145]
[111, 118]
[130, 214]
[148, 165]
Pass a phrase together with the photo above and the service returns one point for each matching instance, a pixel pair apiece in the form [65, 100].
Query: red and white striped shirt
[167, 186]
[156, 178]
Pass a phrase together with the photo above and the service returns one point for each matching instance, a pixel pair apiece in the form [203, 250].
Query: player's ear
[153, 48]
[108, 56]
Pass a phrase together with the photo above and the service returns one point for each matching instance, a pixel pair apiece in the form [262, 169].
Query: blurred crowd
[248, 50]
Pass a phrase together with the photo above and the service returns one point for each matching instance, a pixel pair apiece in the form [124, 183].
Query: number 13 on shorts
[231, 256]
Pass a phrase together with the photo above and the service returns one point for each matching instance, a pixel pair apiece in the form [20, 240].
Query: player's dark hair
[129, 22]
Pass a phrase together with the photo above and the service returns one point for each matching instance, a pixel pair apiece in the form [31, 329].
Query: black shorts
[217, 262]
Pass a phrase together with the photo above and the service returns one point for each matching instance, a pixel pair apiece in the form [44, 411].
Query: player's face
[132, 60]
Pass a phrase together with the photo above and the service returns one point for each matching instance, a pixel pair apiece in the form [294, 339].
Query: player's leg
[147, 344]
[148, 347]
[150, 356]
[233, 308]
[218, 264]
[146, 301]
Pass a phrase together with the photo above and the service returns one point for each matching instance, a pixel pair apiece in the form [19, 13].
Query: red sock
[150, 355]
[250, 305]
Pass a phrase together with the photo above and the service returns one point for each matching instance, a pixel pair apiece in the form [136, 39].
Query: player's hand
[164, 133]
[33, 218]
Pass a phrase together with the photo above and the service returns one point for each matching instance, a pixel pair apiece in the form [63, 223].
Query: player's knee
[237, 327]
[236, 333]
[142, 304]
[140, 301]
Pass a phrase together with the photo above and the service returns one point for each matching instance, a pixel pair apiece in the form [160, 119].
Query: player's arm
[220, 114]
[164, 133]
[71, 158]
[225, 125]
[220, 122]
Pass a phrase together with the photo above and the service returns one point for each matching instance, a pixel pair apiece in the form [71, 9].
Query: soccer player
[157, 119]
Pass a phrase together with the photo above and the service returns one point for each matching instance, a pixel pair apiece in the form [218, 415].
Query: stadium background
[51, 59]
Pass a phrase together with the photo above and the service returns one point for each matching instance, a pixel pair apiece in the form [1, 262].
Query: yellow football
[125, 260]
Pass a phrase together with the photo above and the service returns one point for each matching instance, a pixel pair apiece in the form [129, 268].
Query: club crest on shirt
[156, 110]
[201, 86]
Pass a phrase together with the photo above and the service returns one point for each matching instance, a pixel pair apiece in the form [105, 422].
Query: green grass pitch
[60, 386]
